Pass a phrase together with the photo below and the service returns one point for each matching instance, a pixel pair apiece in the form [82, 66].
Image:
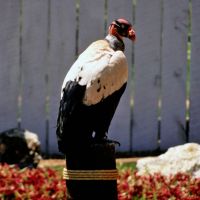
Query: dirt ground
[61, 162]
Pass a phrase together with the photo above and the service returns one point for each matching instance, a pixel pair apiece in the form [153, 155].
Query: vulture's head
[122, 28]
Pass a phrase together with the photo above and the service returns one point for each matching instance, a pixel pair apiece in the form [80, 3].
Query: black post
[92, 174]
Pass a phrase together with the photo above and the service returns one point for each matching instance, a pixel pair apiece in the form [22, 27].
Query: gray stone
[183, 158]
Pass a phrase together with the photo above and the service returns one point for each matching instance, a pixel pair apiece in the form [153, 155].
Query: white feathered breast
[102, 70]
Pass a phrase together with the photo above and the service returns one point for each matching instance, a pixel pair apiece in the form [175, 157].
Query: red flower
[180, 186]
[34, 184]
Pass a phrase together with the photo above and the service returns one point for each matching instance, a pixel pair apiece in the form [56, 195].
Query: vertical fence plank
[120, 125]
[91, 22]
[195, 73]
[174, 62]
[147, 75]
[9, 63]
[34, 55]
[61, 57]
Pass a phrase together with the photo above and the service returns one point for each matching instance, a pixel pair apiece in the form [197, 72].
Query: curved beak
[131, 34]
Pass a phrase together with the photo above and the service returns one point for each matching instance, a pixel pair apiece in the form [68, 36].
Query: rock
[183, 158]
[19, 146]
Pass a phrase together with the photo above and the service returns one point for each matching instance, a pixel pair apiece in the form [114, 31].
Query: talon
[105, 140]
[114, 141]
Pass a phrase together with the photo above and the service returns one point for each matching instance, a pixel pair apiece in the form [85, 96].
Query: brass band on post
[90, 174]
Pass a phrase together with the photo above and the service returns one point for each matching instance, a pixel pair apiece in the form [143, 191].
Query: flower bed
[157, 187]
[46, 183]
[30, 184]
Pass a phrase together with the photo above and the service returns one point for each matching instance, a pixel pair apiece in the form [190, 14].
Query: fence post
[92, 174]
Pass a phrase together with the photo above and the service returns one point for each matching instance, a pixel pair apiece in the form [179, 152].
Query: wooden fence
[40, 39]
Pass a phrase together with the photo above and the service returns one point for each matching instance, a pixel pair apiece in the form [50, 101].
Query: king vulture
[92, 90]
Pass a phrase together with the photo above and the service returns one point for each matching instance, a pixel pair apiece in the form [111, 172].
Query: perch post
[92, 174]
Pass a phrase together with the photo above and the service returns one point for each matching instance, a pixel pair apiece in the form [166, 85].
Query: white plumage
[103, 73]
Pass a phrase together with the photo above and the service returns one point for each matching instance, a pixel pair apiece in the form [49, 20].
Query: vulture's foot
[105, 140]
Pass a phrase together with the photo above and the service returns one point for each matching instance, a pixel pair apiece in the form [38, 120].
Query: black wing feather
[105, 111]
[73, 94]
